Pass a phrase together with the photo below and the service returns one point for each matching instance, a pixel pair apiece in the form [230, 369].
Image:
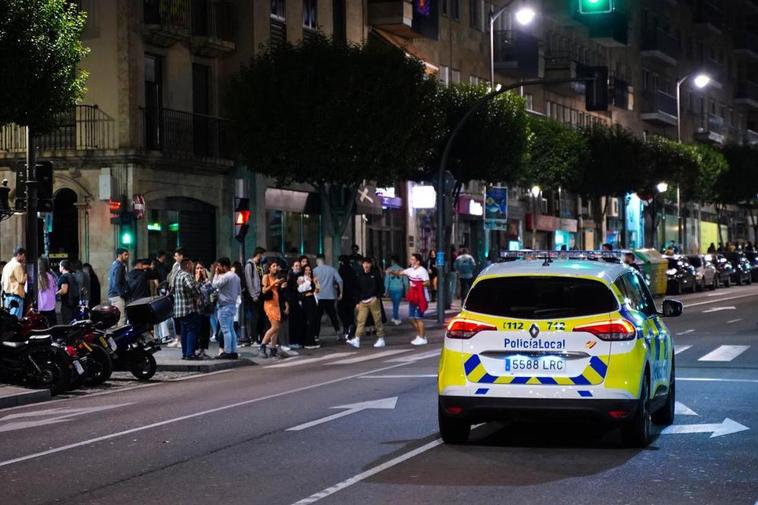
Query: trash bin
[653, 266]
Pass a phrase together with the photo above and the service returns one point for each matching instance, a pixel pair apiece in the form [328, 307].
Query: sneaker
[314, 346]
[419, 340]
[174, 343]
[284, 348]
[380, 342]
[397, 322]
[295, 346]
[355, 342]
[262, 352]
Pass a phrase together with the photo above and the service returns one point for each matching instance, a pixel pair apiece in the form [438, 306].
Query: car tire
[728, 282]
[637, 432]
[665, 415]
[452, 430]
[677, 289]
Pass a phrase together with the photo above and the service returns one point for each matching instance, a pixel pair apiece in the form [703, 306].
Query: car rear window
[540, 297]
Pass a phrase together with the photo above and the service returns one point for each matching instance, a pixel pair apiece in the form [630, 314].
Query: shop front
[542, 230]
[293, 223]
[182, 222]
[385, 231]
[469, 226]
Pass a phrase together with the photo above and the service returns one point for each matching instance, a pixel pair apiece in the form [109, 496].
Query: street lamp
[524, 16]
[662, 187]
[701, 80]
[535, 192]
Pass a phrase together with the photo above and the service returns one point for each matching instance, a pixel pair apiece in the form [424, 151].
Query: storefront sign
[391, 202]
[138, 206]
[496, 208]
[542, 222]
[367, 201]
[423, 197]
[470, 206]
[569, 225]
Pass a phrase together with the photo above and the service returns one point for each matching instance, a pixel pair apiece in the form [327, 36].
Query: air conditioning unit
[613, 209]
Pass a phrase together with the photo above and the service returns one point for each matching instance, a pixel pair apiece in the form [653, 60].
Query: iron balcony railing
[185, 134]
[659, 40]
[660, 101]
[715, 124]
[213, 19]
[747, 90]
[171, 14]
[746, 41]
[84, 127]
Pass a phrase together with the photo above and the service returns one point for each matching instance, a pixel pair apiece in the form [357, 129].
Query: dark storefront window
[182, 222]
[293, 233]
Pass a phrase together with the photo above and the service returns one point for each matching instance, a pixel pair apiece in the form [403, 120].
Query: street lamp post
[524, 16]
[701, 81]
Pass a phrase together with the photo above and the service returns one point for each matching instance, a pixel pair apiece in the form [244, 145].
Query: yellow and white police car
[558, 336]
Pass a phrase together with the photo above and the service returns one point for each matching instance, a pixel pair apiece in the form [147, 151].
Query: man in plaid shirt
[186, 310]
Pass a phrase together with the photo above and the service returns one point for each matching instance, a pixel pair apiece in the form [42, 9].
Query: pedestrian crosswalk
[721, 353]
[348, 358]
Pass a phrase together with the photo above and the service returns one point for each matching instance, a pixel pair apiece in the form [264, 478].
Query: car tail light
[454, 410]
[464, 329]
[620, 329]
[618, 414]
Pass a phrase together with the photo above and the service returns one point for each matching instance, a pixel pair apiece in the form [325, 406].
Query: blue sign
[496, 208]
[440, 259]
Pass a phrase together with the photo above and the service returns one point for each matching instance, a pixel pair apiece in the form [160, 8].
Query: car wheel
[452, 430]
[728, 282]
[714, 283]
[637, 431]
[665, 415]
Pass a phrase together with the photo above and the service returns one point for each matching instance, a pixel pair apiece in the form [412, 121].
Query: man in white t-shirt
[418, 277]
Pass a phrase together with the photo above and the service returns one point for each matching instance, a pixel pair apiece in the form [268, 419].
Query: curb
[14, 396]
[204, 366]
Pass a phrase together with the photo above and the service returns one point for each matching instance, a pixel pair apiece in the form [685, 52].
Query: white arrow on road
[718, 309]
[727, 427]
[59, 415]
[384, 403]
[681, 409]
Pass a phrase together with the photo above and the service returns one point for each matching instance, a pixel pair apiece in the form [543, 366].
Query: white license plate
[79, 367]
[544, 365]
[112, 344]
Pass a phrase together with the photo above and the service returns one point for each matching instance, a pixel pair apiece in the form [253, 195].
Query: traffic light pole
[441, 283]
[32, 231]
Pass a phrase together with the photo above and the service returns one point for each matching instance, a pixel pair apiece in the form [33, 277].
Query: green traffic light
[595, 6]
[126, 238]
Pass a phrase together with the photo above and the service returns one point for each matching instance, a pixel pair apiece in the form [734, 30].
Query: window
[310, 20]
[277, 9]
[532, 297]
[475, 14]
[278, 24]
[456, 77]
[529, 101]
[636, 293]
[455, 9]
[443, 7]
[444, 75]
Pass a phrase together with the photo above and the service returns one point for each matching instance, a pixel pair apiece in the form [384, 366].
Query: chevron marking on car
[593, 374]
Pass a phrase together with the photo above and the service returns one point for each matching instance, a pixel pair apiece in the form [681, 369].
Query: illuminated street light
[536, 191]
[662, 187]
[701, 81]
[525, 15]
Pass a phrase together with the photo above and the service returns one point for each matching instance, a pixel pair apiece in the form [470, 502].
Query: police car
[558, 334]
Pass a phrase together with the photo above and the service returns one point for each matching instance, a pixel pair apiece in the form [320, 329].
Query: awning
[292, 201]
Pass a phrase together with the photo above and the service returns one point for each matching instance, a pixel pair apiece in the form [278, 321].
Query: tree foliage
[738, 182]
[700, 184]
[491, 145]
[555, 155]
[40, 53]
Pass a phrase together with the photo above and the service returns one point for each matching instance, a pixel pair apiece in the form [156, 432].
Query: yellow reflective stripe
[564, 381]
[477, 373]
[533, 380]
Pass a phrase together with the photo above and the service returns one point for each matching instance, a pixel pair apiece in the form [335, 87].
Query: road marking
[719, 309]
[59, 415]
[414, 357]
[683, 410]
[311, 360]
[726, 427]
[719, 300]
[413, 376]
[681, 348]
[725, 353]
[734, 321]
[368, 357]
[685, 332]
[193, 416]
[197, 375]
[353, 408]
[716, 379]
[368, 473]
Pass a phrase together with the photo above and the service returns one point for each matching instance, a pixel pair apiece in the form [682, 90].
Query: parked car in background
[742, 273]
[752, 257]
[724, 269]
[705, 273]
[680, 275]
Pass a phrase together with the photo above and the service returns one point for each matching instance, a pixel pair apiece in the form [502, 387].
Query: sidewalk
[13, 396]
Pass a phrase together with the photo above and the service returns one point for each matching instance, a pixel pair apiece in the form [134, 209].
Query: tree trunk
[337, 202]
[718, 223]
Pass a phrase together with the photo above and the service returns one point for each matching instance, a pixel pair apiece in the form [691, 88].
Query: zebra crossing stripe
[681, 348]
[725, 353]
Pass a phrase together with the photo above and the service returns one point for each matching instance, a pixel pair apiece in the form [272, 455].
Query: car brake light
[620, 329]
[464, 329]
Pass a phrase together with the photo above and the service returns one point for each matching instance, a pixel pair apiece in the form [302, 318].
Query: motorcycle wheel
[99, 367]
[143, 365]
[54, 373]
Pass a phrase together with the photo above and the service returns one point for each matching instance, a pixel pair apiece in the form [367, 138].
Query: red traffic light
[114, 206]
[241, 217]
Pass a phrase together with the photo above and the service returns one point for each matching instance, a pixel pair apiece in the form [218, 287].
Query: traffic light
[241, 218]
[596, 87]
[115, 206]
[44, 174]
[590, 7]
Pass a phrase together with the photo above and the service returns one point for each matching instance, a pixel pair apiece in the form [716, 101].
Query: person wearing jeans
[229, 288]
[395, 286]
[186, 310]
[117, 287]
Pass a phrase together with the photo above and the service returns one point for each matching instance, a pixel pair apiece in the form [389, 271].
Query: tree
[40, 53]
[737, 182]
[555, 155]
[332, 116]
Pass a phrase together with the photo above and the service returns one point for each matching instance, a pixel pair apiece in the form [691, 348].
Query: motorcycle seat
[53, 330]
[38, 339]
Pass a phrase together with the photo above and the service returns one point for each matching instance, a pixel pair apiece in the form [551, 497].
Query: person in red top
[418, 296]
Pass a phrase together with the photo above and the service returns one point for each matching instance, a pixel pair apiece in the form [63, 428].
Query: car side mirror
[672, 308]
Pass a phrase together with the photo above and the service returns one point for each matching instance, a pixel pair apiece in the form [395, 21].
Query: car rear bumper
[494, 409]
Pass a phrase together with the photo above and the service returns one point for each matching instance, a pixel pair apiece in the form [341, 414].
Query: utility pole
[32, 238]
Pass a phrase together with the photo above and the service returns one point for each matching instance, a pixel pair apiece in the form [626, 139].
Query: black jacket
[369, 285]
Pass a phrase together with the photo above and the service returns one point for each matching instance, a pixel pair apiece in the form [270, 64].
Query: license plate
[112, 344]
[79, 367]
[538, 366]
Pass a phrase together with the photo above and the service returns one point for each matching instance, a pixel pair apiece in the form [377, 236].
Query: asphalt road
[229, 437]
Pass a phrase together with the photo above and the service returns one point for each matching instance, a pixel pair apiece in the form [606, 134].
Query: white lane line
[368, 357]
[686, 306]
[716, 379]
[412, 376]
[685, 332]
[368, 473]
[312, 360]
[198, 375]
[725, 353]
[414, 357]
[719, 309]
[734, 321]
[681, 348]
[193, 415]
[683, 410]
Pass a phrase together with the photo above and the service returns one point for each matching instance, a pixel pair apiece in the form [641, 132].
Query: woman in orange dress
[270, 285]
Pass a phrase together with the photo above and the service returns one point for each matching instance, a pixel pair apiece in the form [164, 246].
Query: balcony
[750, 138]
[622, 95]
[167, 21]
[517, 54]
[746, 44]
[659, 108]
[213, 28]
[405, 18]
[661, 46]
[84, 128]
[747, 94]
[184, 134]
[561, 65]
[708, 17]
[711, 130]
